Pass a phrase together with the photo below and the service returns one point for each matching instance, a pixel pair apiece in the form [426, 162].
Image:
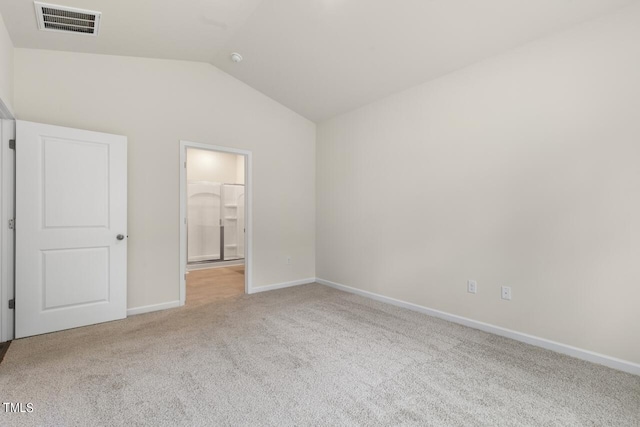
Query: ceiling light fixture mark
[236, 57]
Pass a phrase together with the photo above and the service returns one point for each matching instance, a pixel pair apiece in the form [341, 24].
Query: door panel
[71, 205]
[69, 201]
[74, 277]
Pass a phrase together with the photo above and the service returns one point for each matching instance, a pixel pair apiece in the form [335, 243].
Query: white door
[71, 228]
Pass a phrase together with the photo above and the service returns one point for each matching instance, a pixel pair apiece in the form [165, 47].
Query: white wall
[522, 170]
[6, 67]
[214, 166]
[156, 103]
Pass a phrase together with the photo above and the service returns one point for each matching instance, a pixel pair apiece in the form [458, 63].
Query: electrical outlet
[506, 293]
[288, 260]
[472, 286]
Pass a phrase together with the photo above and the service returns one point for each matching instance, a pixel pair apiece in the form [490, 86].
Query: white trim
[176, 303]
[7, 194]
[590, 356]
[199, 258]
[266, 288]
[7, 191]
[5, 111]
[216, 264]
[248, 236]
[152, 307]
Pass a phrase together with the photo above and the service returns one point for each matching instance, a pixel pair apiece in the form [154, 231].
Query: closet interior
[215, 221]
[215, 224]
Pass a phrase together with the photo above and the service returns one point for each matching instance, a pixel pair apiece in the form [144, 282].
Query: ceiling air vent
[65, 19]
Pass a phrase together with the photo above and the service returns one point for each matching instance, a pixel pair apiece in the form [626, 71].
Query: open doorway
[215, 210]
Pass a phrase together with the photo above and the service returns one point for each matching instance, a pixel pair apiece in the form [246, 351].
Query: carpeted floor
[4, 346]
[308, 355]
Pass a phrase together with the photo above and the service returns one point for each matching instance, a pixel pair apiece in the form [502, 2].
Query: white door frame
[248, 256]
[7, 198]
[7, 212]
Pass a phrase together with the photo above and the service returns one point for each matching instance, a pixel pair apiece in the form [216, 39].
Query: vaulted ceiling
[317, 57]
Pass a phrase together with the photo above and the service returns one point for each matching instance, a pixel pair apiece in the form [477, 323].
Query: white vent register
[65, 19]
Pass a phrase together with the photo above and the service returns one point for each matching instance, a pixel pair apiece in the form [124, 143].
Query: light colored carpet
[308, 355]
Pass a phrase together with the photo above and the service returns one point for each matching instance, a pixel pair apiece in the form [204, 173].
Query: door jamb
[7, 212]
[248, 240]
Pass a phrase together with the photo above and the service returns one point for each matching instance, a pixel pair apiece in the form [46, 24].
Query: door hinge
[12, 304]
[185, 164]
[12, 224]
[12, 144]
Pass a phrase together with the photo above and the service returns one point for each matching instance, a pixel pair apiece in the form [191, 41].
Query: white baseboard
[176, 303]
[198, 258]
[590, 356]
[215, 264]
[258, 289]
[152, 307]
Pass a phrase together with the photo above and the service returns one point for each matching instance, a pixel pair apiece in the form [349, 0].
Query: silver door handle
[120, 237]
